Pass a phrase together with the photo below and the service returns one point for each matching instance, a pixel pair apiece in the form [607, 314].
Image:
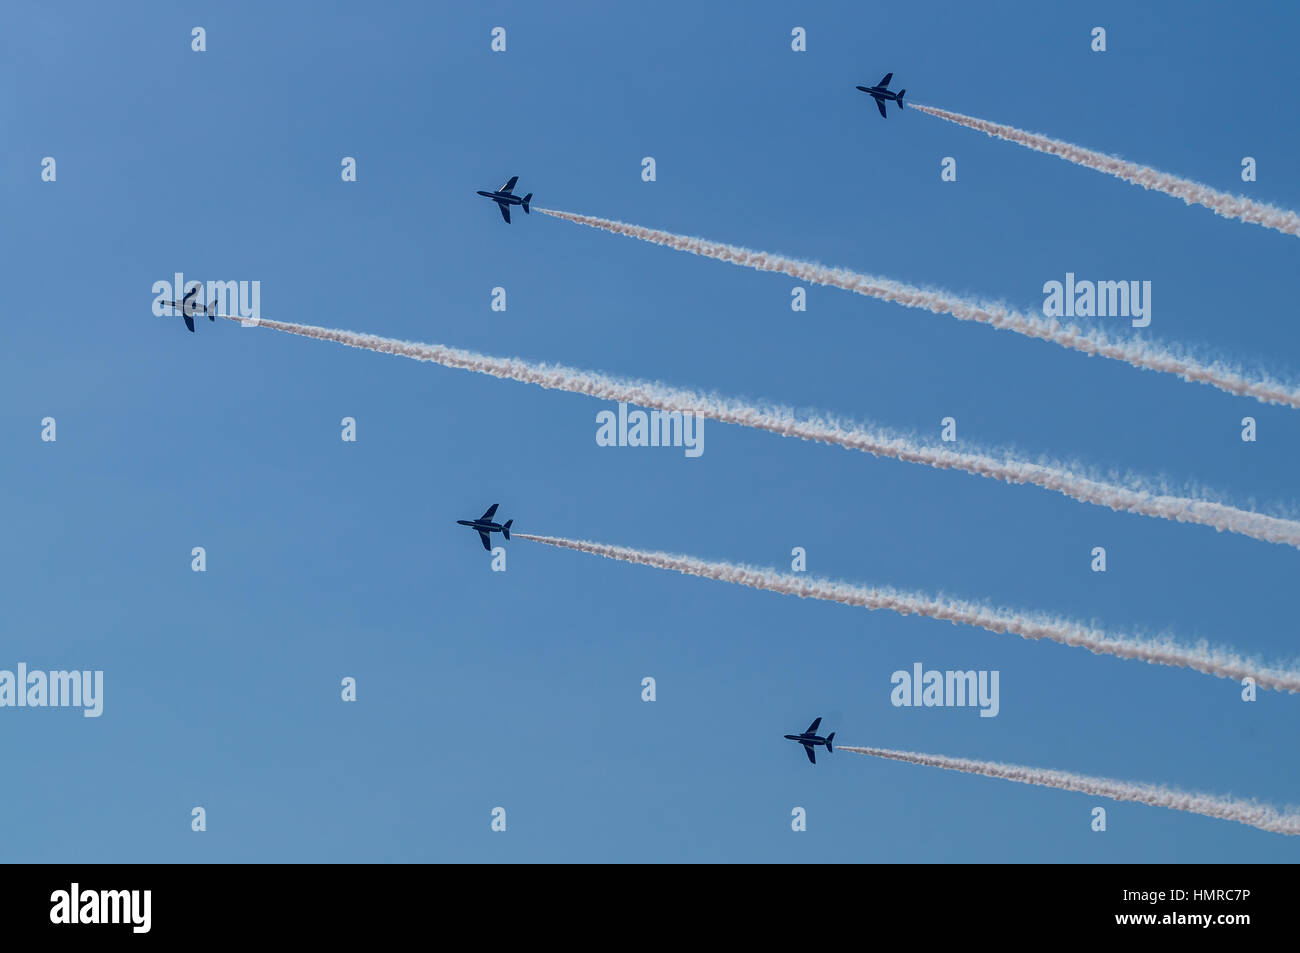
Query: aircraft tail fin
[900, 98]
[527, 198]
[505, 530]
[829, 739]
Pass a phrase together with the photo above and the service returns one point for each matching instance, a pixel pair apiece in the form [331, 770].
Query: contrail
[1145, 355]
[1263, 816]
[1193, 193]
[1201, 658]
[783, 421]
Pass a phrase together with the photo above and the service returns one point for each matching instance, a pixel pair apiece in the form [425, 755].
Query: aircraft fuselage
[503, 198]
[879, 92]
[483, 526]
[807, 739]
[188, 306]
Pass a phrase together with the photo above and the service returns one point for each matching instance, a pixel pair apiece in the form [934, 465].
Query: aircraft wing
[487, 542]
[808, 751]
[885, 82]
[880, 104]
[189, 319]
[491, 512]
[505, 212]
[509, 186]
[812, 729]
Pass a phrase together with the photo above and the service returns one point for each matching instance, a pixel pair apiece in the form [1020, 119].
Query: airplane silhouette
[486, 526]
[189, 308]
[879, 93]
[505, 197]
[810, 738]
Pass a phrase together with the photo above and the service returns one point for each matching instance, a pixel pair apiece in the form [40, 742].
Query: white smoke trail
[782, 420]
[1145, 355]
[1193, 193]
[1264, 816]
[1201, 658]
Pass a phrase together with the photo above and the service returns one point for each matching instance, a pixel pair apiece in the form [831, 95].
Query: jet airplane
[810, 738]
[505, 197]
[880, 94]
[486, 526]
[189, 308]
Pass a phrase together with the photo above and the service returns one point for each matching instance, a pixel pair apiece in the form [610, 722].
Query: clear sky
[522, 689]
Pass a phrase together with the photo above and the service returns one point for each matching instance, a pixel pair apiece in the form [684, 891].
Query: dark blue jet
[484, 523]
[189, 308]
[505, 197]
[810, 738]
[879, 93]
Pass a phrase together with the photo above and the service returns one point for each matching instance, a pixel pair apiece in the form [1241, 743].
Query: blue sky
[522, 689]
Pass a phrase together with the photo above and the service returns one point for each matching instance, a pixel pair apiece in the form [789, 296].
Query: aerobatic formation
[1072, 480]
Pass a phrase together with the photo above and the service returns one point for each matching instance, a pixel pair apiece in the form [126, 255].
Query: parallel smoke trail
[782, 420]
[1263, 816]
[1193, 193]
[1201, 658]
[1145, 355]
